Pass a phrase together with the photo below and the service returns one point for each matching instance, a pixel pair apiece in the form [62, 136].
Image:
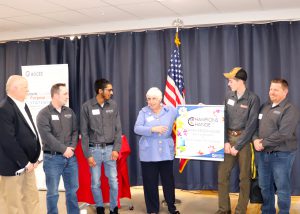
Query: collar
[19, 103]
[281, 104]
[246, 94]
[147, 109]
[51, 107]
[95, 102]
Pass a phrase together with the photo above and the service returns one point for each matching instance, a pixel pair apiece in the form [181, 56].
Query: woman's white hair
[154, 92]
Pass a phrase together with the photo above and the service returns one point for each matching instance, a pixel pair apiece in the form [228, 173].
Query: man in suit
[19, 148]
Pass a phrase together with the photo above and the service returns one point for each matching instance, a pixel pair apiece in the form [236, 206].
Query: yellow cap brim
[232, 73]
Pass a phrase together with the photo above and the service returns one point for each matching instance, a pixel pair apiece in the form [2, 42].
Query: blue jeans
[103, 155]
[54, 167]
[274, 171]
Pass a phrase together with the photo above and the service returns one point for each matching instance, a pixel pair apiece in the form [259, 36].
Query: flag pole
[176, 23]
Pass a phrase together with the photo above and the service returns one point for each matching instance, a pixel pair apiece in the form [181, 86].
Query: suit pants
[243, 158]
[19, 194]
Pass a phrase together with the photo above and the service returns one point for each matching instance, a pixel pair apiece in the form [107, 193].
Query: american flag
[174, 91]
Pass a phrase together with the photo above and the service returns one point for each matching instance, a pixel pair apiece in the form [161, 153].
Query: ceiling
[21, 19]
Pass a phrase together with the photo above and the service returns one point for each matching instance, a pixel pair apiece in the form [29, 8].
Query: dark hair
[101, 84]
[242, 75]
[55, 88]
[283, 82]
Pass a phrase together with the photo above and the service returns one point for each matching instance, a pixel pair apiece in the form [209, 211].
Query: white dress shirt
[21, 106]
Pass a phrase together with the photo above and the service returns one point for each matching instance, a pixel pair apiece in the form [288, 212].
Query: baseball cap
[238, 73]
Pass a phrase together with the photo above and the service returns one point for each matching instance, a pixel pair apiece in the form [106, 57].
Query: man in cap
[241, 113]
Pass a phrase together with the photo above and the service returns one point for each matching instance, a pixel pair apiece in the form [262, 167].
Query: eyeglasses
[110, 90]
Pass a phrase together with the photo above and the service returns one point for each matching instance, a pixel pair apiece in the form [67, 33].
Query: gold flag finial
[177, 23]
[177, 41]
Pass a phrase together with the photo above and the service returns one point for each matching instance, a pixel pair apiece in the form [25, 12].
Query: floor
[192, 202]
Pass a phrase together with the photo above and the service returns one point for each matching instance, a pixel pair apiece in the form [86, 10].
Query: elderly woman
[156, 150]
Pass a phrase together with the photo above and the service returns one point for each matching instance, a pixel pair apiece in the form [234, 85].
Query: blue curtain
[136, 61]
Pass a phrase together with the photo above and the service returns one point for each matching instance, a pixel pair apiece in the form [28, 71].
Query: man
[101, 141]
[58, 129]
[19, 149]
[241, 112]
[276, 143]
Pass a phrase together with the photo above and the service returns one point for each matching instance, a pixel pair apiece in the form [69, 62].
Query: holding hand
[233, 151]
[258, 145]
[227, 148]
[29, 167]
[114, 155]
[159, 129]
[69, 152]
[91, 161]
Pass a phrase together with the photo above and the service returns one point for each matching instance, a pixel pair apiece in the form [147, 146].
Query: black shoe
[175, 212]
[100, 210]
[223, 212]
[115, 211]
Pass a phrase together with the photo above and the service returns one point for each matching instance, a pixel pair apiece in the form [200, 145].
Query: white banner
[40, 80]
[200, 132]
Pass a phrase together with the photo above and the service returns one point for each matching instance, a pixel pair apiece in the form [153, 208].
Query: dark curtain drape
[136, 61]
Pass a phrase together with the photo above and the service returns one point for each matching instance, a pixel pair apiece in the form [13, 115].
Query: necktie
[31, 120]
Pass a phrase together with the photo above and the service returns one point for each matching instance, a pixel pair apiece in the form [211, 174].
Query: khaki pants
[19, 194]
[244, 160]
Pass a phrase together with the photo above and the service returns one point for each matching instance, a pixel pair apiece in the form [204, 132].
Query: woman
[156, 150]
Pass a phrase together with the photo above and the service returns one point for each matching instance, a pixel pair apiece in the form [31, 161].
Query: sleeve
[256, 133]
[74, 137]
[251, 124]
[118, 132]
[226, 139]
[140, 128]
[287, 126]
[8, 141]
[44, 127]
[84, 128]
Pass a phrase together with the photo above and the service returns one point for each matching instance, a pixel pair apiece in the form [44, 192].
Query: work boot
[100, 210]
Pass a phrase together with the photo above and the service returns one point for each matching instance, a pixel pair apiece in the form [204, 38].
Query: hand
[35, 165]
[69, 152]
[159, 129]
[233, 151]
[258, 145]
[227, 148]
[114, 155]
[91, 161]
[29, 167]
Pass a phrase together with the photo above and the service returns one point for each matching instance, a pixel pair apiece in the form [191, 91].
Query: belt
[52, 153]
[271, 152]
[102, 145]
[234, 133]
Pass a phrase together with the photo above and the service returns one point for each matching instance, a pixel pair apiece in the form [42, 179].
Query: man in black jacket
[19, 148]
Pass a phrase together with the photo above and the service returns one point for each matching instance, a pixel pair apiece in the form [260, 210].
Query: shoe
[175, 212]
[115, 211]
[223, 212]
[100, 210]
